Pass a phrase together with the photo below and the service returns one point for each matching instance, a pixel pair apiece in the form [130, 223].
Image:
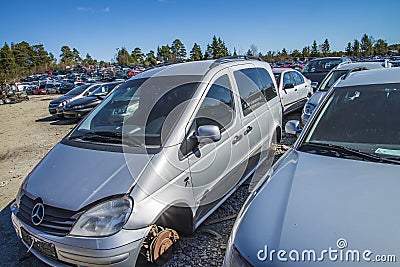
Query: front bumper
[120, 249]
[76, 114]
[56, 110]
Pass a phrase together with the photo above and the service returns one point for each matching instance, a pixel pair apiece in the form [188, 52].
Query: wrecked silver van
[152, 161]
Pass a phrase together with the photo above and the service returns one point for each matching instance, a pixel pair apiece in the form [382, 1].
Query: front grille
[56, 221]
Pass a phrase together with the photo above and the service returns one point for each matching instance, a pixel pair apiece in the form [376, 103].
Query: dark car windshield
[140, 112]
[78, 90]
[103, 89]
[331, 79]
[363, 118]
[321, 65]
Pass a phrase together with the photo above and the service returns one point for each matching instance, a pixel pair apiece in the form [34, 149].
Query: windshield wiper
[353, 152]
[109, 136]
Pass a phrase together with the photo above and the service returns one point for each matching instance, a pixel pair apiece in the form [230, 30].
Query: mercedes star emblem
[37, 215]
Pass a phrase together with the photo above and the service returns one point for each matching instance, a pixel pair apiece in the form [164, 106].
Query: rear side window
[249, 85]
[298, 78]
[268, 87]
[217, 107]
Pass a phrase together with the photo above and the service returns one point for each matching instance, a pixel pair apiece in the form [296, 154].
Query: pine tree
[66, 57]
[366, 45]
[195, 53]
[348, 49]
[314, 49]
[381, 47]
[306, 52]
[76, 56]
[325, 48]
[356, 48]
[178, 51]
[137, 57]
[8, 67]
[150, 60]
[123, 57]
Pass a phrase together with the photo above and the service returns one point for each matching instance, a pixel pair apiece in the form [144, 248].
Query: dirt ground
[27, 133]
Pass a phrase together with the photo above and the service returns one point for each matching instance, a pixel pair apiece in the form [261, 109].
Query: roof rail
[351, 71]
[227, 59]
[243, 57]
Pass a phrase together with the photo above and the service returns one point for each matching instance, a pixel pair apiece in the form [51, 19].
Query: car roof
[352, 65]
[374, 76]
[198, 68]
[189, 68]
[280, 70]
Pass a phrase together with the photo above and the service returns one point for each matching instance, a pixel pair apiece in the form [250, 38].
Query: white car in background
[293, 88]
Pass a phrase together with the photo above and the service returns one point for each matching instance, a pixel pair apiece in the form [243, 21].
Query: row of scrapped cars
[81, 100]
[166, 148]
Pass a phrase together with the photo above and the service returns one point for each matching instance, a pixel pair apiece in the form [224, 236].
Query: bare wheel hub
[159, 244]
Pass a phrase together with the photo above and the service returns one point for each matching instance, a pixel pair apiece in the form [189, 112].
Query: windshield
[363, 118]
[321, 65]
[103, 89]
[140, 112]
[78, 90]
[331, 79]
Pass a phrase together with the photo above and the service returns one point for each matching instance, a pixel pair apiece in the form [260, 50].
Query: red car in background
[40, 90]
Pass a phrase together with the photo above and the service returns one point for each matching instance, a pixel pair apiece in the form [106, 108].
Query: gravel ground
[34, 133]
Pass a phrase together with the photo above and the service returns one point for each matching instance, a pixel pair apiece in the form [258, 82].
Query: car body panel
[303, 204]
[85, 185]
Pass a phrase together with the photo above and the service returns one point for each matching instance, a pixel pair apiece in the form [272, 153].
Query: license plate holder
[43, 247]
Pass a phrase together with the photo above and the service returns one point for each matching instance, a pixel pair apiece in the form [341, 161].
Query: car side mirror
[292, 127]
[210, 132]
[288, 86]
[314, 85]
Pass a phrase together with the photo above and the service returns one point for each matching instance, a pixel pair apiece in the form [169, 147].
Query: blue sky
[99, 27]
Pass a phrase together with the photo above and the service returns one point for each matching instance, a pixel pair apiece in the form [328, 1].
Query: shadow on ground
[55, 120]
[12, 252]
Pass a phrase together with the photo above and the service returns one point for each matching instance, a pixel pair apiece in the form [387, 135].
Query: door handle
[237, 138]
[248, 130]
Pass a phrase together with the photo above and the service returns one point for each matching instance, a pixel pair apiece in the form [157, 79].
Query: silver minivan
[151, 162]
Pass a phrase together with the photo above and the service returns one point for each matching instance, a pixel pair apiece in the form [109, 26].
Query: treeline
[176, 52]
[22, 59]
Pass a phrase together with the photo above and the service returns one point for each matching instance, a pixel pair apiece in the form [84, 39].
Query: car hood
[313, 201]
[316, 98]
[84, 101]
[62, 98]
[72, 178]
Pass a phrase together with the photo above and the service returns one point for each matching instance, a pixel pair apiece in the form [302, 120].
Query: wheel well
[178, 217]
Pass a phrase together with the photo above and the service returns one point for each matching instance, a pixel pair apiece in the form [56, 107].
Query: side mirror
[314, 85]
[210, 132]
[293, 127]
[288, 86]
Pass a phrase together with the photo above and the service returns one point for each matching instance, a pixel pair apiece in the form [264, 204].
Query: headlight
[78, 107]
[235, 259]
[308, 109]
[104, 219]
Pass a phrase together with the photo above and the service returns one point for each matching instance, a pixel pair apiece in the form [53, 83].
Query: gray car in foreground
[331, 200]
[150, 163]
